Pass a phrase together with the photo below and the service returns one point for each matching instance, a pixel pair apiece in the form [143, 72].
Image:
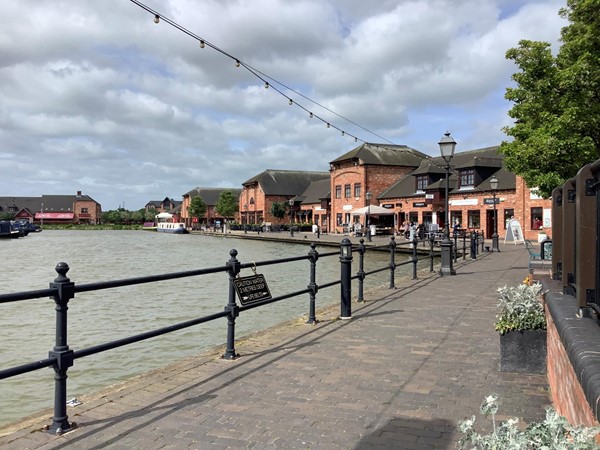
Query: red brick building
[210, 197]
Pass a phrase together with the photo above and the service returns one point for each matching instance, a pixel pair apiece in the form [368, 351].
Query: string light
[262, 76]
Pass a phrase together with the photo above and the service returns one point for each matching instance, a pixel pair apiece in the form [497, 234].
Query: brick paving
[410, 363]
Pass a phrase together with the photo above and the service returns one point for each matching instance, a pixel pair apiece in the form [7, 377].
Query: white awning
[372, 210]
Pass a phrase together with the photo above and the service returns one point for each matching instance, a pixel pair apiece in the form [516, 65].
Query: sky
[96, 97]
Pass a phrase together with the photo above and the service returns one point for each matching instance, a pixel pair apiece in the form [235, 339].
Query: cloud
[95, 96]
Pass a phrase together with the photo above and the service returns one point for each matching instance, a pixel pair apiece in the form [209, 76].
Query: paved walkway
[400, 374]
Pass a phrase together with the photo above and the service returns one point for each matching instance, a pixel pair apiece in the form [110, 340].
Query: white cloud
[96, 97]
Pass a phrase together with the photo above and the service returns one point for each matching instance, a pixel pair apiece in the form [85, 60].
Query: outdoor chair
[535, 258]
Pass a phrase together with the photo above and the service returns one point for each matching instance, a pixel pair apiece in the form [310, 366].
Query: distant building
[56, 209]
[210, 197]
[165, 205]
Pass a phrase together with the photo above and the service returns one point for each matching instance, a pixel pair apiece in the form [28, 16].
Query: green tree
[279, 209]
[556, 102]
[227, 204]
[197, 207]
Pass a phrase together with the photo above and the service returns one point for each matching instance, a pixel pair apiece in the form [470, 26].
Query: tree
[279, 209]
[197, 207]
[227, 204]
[556, 102]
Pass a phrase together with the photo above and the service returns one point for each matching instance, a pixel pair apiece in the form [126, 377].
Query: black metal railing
[62, 290]
[575, 235]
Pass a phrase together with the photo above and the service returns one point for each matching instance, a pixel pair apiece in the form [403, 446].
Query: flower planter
[523, 351]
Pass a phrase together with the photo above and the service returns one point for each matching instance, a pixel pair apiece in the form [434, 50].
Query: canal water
[28, 327]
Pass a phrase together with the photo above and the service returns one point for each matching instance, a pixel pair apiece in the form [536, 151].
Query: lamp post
[246, 214]
[291, 203]
[494, 186]
[447, 145]
[368, 196]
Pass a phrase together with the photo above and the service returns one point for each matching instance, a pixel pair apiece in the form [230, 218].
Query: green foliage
[197, 207]
[227, 204]
[556, 102]
[6, 215]
[554, 433]
[279, 209]
[520, 309]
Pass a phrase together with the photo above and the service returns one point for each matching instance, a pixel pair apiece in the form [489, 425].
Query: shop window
[338, 192]
[338, 219]
[456, 217]
[413, 217]
[536, 218]
[347, 191]
[357, 189]
[84, 210]
[508, 214]
[473, 219]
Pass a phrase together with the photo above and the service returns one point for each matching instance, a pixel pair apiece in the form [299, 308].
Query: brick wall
[568, 397]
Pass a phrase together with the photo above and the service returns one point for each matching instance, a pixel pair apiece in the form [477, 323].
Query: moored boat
[171, 227]
[7, 231]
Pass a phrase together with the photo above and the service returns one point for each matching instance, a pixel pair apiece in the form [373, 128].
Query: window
[467, 178]
[357, 189]
[252, 200]
[422, 182]
[536, 218]
[413, 217]
[456, 217]
[338, 192]
[347, 218]
[338, 217]
[84, 210]
[508, 214]
[347, 191]
[473, 219]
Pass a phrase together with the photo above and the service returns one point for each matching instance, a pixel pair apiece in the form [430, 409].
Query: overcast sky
[96, 97]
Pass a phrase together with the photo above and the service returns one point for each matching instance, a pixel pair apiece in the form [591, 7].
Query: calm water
[96, 317]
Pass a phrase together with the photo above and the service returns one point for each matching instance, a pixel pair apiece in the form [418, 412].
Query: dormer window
[467, 179]
[422, 182]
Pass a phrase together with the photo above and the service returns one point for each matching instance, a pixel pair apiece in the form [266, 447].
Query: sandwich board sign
[514, 233]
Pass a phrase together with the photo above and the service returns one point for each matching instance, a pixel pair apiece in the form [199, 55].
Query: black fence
[252, 293]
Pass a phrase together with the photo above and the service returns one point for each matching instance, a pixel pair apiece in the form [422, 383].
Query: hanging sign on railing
[252, 289]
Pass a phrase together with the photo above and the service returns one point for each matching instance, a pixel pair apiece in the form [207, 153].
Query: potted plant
[553, 433]
[522, 327]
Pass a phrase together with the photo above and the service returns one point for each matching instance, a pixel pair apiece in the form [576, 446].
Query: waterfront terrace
[409, 365]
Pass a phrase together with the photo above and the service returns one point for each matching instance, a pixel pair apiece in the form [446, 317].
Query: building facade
[210, 197]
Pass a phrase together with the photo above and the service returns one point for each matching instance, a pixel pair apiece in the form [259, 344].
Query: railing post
[482, 242]
[431, 243]
[473, 245]
[557, 232]
[568, 244]
[361, 270]
[464, 236]
[61, 353]
[313, 257]
[414, 259]
[586, 238]
[392, 261]
[233, 268]
[455, 246]
[346, 278]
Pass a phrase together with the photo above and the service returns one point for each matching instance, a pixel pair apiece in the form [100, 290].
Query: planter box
[523, 351]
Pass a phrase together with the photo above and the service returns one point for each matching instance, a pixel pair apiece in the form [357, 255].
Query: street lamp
[246, 214]
[291, 203]
[447, 145]
[494, 186]
[368, 196]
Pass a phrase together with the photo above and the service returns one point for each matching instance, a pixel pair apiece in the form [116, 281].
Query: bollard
[455, 246]
[61, 353]
[464, 250]
[431, 242]
[361, 270]
[291, 231]
[233, 268]
[318, 232]
[392, 261]
[414, 259]
[314, 256]
[473, 245]
[346, 278]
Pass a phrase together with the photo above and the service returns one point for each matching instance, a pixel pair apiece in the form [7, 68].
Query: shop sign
[491, 201]
[387, 205]
[419, 204]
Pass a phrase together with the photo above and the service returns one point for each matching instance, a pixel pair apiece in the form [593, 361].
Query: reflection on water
[97, 317]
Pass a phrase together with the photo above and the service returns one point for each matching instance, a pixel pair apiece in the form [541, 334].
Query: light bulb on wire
[201, 44]
[291, 102]
[156, 18]
[266, 85]
[237, 63]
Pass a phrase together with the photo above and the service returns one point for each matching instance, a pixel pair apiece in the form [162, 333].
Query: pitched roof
[285, 182]
[316, 191]
[484, 157]
[210, 196]
[384, 155]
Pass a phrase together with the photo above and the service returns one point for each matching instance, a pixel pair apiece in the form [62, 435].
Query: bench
[535, 258]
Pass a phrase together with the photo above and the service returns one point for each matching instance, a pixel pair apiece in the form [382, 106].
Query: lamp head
[447, 145]
[494, 183]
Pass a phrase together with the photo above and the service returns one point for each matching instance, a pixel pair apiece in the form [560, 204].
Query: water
[28, 327]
